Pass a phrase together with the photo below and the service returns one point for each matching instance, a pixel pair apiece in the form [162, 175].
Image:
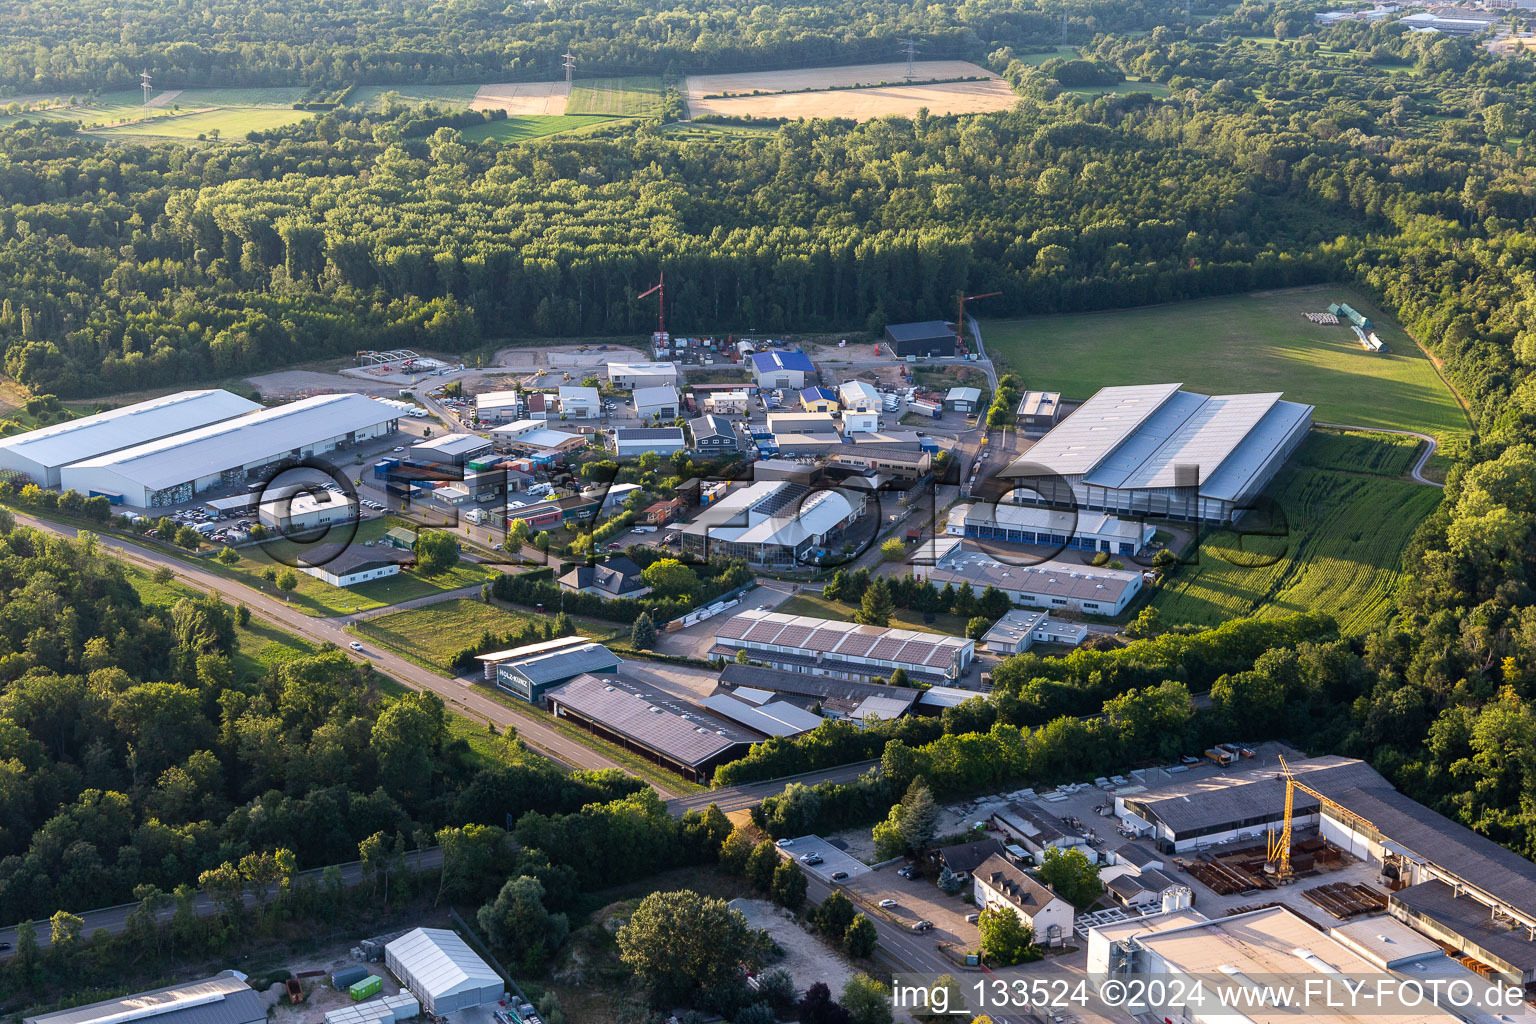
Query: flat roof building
[629, 376]
[175, 469]
[928, 338]
[451, 449]
[1039, 410]
[498, 406]
[1019, 630]
[1156, 450]
[1048, 527]
[347, 565]
[442, 972]
[222, 999]
[40, 454]
[580, 403]
[730, 403]
[671, 732]
[817, 422]
[1050, 585]
[629, 442]
[305, 511]
[844, 650]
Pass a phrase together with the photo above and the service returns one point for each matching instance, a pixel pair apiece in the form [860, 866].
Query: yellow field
[522, 98]
[782, 93]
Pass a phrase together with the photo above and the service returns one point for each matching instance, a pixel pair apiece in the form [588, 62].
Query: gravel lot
[806, 958]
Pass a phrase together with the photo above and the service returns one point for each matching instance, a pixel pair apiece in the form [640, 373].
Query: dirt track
[781, 100]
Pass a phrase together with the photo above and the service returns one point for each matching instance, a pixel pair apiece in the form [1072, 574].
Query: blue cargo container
[113, 498]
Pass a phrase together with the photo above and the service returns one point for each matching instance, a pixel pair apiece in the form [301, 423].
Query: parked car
[972, 918]
[811, 858]
[888, 904]
[923, 926]
[839, 876]
[782, 843]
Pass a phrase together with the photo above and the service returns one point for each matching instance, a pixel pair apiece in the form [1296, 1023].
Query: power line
[570, 66]
[910, 46]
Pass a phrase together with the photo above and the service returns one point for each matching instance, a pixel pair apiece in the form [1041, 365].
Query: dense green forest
[1402, 163]
[130, 752]
[80, 45]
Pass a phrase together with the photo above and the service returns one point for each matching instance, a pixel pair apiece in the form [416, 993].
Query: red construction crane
[960, 320]
[660, 290]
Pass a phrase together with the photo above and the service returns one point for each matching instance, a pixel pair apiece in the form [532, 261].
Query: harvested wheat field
[829, 92]
[522, 98]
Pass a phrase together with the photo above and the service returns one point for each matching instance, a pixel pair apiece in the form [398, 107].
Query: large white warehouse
[174, 469]
[1155, 450]
[42, 453]
[440, 969]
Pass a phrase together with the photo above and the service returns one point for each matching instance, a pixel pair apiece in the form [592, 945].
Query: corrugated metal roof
[666, 394]
[105, 432]
[857, 395]
[498, 400]
[675, 729]
[453, 444]
[441, 961]
[963, 395]
[258, 437]
[223, 999]
[1216, 800]
[1204, 437]
[776, 718]
[1098, 427]
[1035, 518]
[767, 362]
[551, 666]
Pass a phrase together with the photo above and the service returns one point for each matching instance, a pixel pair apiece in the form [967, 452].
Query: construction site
[1248, 828]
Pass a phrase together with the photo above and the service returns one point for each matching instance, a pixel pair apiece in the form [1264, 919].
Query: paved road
[459, 694]
[115, 919]
[1417, 472]
[738, 798]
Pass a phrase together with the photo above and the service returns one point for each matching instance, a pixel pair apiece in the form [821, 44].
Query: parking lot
[917, 899]
[833, 860]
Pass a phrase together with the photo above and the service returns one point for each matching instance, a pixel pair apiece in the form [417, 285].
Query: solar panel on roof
[939, 656]
[913, 652]
[823, 640]
[856, 645]
[794, 636]
[885, 649]
[763, 632]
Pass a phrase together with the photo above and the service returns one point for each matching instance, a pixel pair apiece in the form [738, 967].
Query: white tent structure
[442, 971]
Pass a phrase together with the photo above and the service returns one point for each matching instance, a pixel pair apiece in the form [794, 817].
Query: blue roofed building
[781, 369]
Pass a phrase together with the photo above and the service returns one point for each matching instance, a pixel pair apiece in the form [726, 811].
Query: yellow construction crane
[1279, 848]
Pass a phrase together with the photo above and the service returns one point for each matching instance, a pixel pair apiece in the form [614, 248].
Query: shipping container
[481, 465]
[113, 497]
[345, 979]
[369, 986]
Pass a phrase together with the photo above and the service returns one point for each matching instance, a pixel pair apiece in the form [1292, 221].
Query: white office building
[579, 403]
[629, 376]
[175, 469]
[498, 406]
[41, 454]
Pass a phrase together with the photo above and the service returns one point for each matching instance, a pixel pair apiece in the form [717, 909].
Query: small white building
[1020, 629]
[498, 406]
[963, 399]
[355, 563]
[861, 422]
[999, 884]
[858, 396]
[727, 403]
[441, 971]
[306, 511]
[659, 402]
[629, 376]
[629, 442]
[579, 403]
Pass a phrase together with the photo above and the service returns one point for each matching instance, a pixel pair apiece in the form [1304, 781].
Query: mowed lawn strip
[434, 633]
[229, 122]
[532, 126]
[1237, 344]
[632, 96]
[1336, 545]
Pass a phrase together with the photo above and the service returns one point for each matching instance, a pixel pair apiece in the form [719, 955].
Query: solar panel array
[836, 639]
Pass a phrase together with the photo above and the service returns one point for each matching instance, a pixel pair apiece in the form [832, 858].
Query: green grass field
[1337, 547]
[276, 96]
[634, 96]
[105, 109]
[435, 633]
[448, 97]
[229, 122]
[261, 645]
[1389, 455]
[532, 126]
[1258, 342]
